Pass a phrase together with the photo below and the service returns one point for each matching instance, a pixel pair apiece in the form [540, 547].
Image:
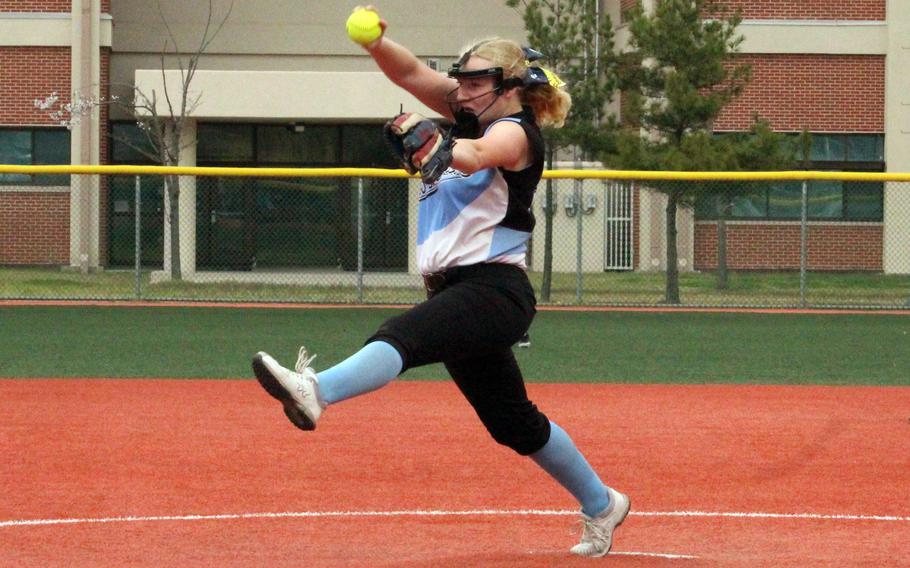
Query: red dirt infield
[110, 472]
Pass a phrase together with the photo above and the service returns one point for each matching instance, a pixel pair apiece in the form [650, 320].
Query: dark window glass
[826, 199]
[863, 201]
[363, 146]
[749, 203]
[829, 200]
[35, 147]
[15, 149]
[828, 148]
[292, 212]
[785, 200]
[310, 144]
[225, 143]
[130, 145]
[122, 221]
[866, 148]
[52, 147]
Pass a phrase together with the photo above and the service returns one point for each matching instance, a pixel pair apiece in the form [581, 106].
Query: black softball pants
[469, 323]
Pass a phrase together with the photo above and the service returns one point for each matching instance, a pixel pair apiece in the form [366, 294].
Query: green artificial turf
[632, 347]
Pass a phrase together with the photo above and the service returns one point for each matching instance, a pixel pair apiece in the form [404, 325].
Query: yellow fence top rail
[387, 173]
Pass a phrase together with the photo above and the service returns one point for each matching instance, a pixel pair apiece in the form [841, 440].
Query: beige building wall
[283, 61]
[896, 258]
[85, 30]
[270, 51]
[570, 214]
[280, 61]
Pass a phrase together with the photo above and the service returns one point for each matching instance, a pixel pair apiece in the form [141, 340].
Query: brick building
[820, 66]
[833, 68]
[48, 46]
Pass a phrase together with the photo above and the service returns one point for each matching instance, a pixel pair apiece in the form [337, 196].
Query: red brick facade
[625, 6]
[34, 228]
[41, 6]
[103, 155]
[29, 73]
[776, 246]
[809, 9]
[820, 93]
[35, 222]
[45, 6]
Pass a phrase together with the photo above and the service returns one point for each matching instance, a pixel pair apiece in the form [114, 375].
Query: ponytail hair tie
[539, 75]
[543, 76]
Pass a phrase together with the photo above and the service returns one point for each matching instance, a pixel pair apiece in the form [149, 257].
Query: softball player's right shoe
[597, 538]
[297, 390]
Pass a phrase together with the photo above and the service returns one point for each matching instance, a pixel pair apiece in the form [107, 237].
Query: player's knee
[525, 437]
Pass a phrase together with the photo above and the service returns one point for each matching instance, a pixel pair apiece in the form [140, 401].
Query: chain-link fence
[339, 236]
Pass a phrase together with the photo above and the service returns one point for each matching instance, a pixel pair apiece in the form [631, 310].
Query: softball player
[474, 223]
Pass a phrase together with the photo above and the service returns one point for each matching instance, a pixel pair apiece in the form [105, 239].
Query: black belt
[436, 281]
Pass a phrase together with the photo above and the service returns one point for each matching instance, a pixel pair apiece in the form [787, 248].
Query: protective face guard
[496, 72]
[467, 124]
[535, 75]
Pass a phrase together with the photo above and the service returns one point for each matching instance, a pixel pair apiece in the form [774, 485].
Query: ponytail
[550, 103]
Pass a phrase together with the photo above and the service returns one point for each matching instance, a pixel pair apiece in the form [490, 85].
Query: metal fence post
[803, 243]
[579, 213]
[138, 244]
[360, 240]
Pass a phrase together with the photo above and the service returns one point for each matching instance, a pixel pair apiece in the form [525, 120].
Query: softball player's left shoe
[597, 538]
[297, 390]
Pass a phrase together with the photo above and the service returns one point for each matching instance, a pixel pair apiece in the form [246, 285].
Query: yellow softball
[363, 26]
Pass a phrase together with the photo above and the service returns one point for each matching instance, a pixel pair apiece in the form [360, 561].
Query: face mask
[467, 124]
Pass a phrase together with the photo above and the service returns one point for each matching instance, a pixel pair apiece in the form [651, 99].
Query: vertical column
[187, 200]
[85, 70]
[651, 241]
[685, 238]
[896, 254]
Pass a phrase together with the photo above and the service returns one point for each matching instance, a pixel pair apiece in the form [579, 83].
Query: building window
[267, 223]
[827, 200]
[310, 144]
[225, 144]
[130, 145]
[38, 147]
[264, 145]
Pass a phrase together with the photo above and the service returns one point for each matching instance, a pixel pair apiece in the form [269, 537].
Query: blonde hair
[550, 104]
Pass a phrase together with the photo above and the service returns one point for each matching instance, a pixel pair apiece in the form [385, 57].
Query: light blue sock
[374, 366]
[561, 459]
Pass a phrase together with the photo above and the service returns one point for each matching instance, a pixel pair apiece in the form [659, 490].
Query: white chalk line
[466, 513]
[442, 513]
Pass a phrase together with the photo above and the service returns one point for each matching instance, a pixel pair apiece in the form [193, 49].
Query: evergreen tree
[680, 71]
[577, 42]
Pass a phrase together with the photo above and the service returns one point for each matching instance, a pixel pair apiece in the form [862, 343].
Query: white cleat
[597, 538]
[525, 341]
[297, 390]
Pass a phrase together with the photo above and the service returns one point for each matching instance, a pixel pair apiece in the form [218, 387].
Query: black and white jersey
[482, 217]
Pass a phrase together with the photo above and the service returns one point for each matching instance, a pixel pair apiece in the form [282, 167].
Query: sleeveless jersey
[482, 217]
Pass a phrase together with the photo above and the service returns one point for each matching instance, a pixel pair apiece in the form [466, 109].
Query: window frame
[39, 180]
[844, 165]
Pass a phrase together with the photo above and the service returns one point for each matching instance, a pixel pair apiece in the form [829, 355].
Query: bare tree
[163, 130]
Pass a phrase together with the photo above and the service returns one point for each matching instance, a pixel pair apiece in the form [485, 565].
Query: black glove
[419, 145]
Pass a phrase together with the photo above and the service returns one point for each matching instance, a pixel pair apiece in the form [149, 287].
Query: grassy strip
[647, 288]
[591, 346]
